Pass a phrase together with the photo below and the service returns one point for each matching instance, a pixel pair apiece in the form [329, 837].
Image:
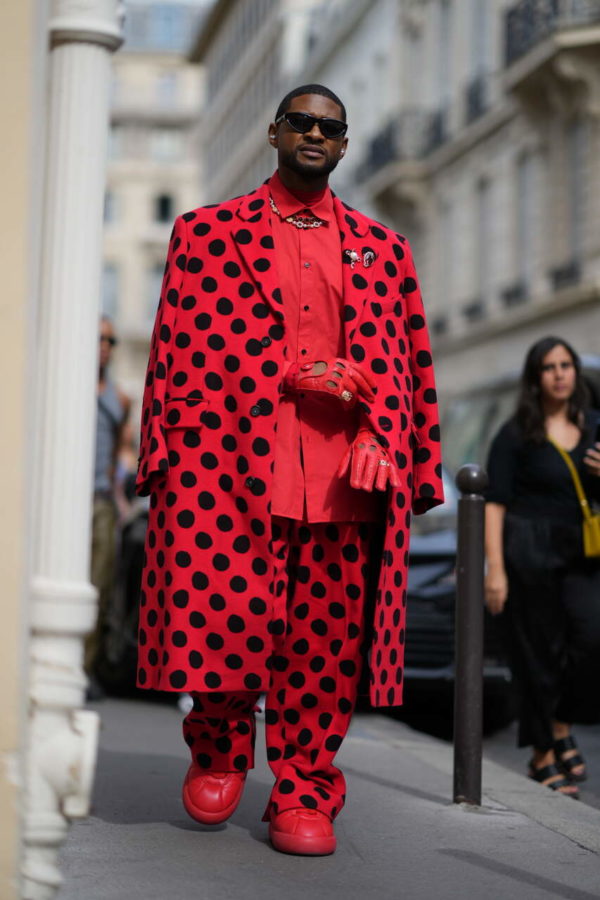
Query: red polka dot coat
[209, 600]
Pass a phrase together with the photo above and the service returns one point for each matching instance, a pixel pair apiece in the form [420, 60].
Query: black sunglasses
[302, 122]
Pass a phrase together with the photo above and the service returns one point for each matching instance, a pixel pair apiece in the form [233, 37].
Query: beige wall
[22, 55]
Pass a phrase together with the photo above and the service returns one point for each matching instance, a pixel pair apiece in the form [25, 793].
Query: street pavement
[399, 836]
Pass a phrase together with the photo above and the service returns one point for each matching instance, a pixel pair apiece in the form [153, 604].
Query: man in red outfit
[289, 429]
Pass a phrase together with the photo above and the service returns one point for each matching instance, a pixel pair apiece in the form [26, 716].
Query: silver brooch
[368, 259]
[353, 256]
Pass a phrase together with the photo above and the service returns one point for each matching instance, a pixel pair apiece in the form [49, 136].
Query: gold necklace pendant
[297, 220]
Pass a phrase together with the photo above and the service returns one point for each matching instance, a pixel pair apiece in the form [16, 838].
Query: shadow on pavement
[554, 887]
[142, 788]
[401, 788]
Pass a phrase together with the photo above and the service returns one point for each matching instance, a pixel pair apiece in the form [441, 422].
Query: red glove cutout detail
[369, 464]
[340, 378]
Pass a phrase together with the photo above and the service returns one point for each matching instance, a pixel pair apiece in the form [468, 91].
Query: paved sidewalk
[399, 836]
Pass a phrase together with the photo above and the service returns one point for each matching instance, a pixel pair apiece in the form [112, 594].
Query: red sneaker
[305, 832]
[211, 797]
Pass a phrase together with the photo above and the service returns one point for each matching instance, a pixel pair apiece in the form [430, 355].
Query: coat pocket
[185, 412]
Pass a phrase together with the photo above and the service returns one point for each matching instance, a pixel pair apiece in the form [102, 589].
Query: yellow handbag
[591, 520]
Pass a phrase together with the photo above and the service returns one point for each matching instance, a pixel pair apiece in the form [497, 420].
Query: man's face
[107, 342]
[309, 155]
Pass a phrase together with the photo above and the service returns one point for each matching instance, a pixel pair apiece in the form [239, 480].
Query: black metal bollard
[471, 480]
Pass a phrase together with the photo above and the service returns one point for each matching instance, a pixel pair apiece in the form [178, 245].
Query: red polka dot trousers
[320, 582]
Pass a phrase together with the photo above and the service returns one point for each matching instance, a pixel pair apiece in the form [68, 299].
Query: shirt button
[307, 265]
[306, 308]
[255, 411]
[249, 481]
[303, 352]
[266, 341]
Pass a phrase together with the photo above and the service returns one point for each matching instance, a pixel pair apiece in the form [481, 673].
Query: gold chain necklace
[298, 220]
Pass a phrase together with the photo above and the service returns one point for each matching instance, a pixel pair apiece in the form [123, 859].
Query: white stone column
[62, 739]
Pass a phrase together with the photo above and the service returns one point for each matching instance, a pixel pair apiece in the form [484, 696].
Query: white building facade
[474, 130]
[153, 170]
[249, 50]
[486, 156]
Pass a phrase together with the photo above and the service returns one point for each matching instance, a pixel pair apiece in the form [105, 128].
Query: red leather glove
[336, 377]
[371, 464]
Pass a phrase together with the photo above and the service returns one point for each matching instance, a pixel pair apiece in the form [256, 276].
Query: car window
[503, 408]
[462, 431]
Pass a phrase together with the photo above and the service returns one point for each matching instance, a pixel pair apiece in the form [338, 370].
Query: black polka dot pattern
[306, 720]
[204, 451]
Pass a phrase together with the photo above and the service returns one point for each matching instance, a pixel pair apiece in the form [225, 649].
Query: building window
[525, 223]
[445, 254]
[167, 26]
[444, 50]
[155, 279]
[166, 144]
[162, 26]
[480, 36]
[135, 27]
[166, 88]
[116, 141]
[163, 208]
[110, 290]
[575, 183]
[110, 208]
[483, 236]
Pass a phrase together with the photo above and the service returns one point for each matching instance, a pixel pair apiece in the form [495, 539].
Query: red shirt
[313, 432]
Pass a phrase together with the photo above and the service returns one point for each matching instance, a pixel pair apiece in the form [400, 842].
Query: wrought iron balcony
[406, 137]
[529, 22]
[565, 276]
[474, 311]
[440, 325]
[476, 97]
[438, 129]
[515, 293]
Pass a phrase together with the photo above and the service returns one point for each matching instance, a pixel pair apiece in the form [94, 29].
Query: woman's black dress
[552, 614]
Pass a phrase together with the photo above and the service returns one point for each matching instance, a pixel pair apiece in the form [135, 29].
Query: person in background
[112, 413]
[537, 574]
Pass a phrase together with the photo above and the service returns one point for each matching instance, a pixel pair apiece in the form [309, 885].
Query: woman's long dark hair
[530, 412]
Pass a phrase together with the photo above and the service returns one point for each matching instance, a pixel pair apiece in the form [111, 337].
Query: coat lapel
[356, 273]
[253, 237]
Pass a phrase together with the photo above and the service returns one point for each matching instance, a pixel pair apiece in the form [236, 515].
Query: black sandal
[546, 772]
[563, 745]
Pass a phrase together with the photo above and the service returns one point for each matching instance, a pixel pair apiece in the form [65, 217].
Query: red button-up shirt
[313, 432]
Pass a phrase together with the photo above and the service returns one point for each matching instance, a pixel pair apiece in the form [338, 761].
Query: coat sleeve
[427, 489]
[153, 449]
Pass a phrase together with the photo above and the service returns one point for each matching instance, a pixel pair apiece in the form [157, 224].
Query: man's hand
[369, 464]
[336, 378]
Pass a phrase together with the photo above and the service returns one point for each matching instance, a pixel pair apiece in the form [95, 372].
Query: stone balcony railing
[529, 22]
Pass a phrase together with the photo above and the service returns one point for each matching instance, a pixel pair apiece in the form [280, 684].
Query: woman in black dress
[537, 574]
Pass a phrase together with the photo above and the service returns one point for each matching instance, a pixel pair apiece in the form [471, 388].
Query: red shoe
[211, 797]
[305, 832]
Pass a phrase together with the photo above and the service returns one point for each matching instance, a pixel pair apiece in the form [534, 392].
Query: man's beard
[291, 161]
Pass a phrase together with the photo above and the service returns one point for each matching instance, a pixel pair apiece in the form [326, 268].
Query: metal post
[471, 480]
